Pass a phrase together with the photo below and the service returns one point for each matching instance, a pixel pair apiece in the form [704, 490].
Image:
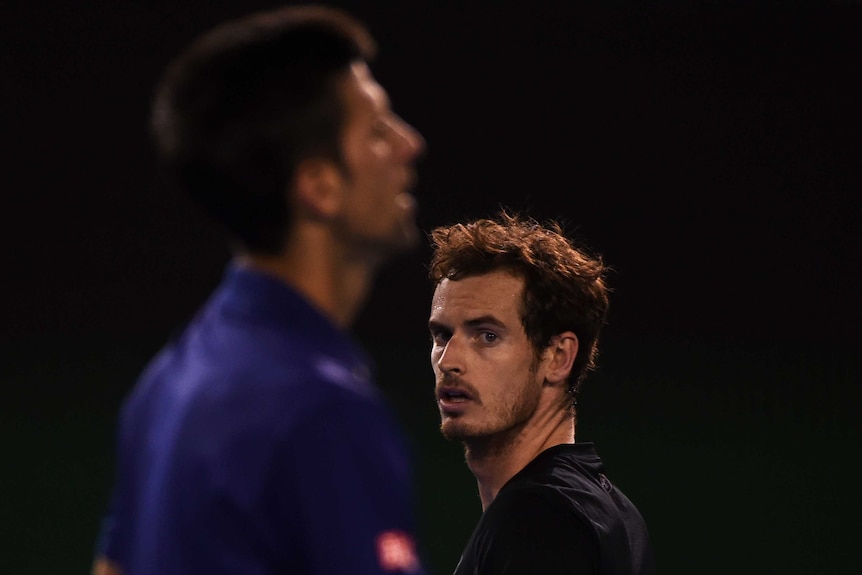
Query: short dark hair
[564, 286]
[236, 112]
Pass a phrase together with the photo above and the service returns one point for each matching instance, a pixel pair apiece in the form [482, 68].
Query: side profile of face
[380, 149]
[488, 379]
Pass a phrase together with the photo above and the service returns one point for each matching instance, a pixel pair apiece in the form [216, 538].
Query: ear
[561, 354]
[318, 188]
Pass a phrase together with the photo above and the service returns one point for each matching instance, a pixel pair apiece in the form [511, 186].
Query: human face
[379, 148]
[487, 378]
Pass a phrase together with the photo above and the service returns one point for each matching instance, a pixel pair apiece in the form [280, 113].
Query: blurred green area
[742, 456]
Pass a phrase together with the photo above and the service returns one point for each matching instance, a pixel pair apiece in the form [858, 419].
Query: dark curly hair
[245, 103]
[564, 286]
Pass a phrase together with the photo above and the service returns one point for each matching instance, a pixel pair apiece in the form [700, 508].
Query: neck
[496, 459]
[324, 272]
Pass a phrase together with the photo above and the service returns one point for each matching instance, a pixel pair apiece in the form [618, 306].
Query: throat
[495, 459]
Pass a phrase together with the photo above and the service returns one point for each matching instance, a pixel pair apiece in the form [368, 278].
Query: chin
[403, 239]
[452, 434]
[407, 229]
[382, 247]
[409, 236]
[455, 430]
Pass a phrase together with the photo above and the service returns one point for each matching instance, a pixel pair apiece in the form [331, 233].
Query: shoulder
[532, 528]
[536, 504]
[255, 382]
[222, 354]
[572, 476]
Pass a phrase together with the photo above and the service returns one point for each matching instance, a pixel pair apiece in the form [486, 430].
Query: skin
[346, 223]
[104, 566]
[378, 212]
[503, 400]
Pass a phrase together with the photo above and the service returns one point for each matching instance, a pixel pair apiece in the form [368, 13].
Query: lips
[453, 398]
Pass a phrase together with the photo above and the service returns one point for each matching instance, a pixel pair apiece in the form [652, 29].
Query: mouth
[453, 399]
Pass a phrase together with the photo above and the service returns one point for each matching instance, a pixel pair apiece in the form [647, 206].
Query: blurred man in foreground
[257, 442]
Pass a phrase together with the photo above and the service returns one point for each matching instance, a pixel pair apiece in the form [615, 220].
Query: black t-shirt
[560, 514]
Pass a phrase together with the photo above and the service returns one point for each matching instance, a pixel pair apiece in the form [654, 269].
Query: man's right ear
[318, 188]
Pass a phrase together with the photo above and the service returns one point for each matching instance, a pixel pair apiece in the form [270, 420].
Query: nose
[451, 359]
[413, 144]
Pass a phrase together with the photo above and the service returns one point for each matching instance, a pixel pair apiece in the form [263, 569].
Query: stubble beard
[380, 250]
[408, 230]
[499, 436]
[405, 233]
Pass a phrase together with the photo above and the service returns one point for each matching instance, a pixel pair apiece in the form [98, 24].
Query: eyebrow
[485, 320]
[474, 322]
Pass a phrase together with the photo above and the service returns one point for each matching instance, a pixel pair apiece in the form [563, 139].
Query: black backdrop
[709, 149]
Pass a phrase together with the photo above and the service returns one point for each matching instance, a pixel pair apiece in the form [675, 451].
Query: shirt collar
[268, 299]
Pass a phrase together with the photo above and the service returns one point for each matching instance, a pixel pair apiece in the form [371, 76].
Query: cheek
[519, 378]
[371, 161]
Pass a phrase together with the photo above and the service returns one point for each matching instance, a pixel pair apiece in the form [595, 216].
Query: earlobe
[563, 350]
[318, 188]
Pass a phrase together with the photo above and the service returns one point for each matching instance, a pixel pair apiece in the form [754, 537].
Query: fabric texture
[258, 443]
[559, 515]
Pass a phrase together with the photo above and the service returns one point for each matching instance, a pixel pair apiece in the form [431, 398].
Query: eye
[440, 336]
[488, 336]
[380, 127]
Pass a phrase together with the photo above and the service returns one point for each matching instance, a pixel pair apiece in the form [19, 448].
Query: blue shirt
[257, 443]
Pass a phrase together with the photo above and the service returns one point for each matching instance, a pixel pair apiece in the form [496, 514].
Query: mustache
[454, 382]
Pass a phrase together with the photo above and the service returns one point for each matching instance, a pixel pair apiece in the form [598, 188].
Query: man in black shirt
[515, 318]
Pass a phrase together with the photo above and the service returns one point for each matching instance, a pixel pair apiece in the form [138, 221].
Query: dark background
[709, 149]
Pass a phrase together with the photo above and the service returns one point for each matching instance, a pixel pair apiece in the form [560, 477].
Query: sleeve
[350, 490]
[529, 533]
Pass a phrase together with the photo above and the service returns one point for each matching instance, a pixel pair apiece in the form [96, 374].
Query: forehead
[496, 294]
[362, 95]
